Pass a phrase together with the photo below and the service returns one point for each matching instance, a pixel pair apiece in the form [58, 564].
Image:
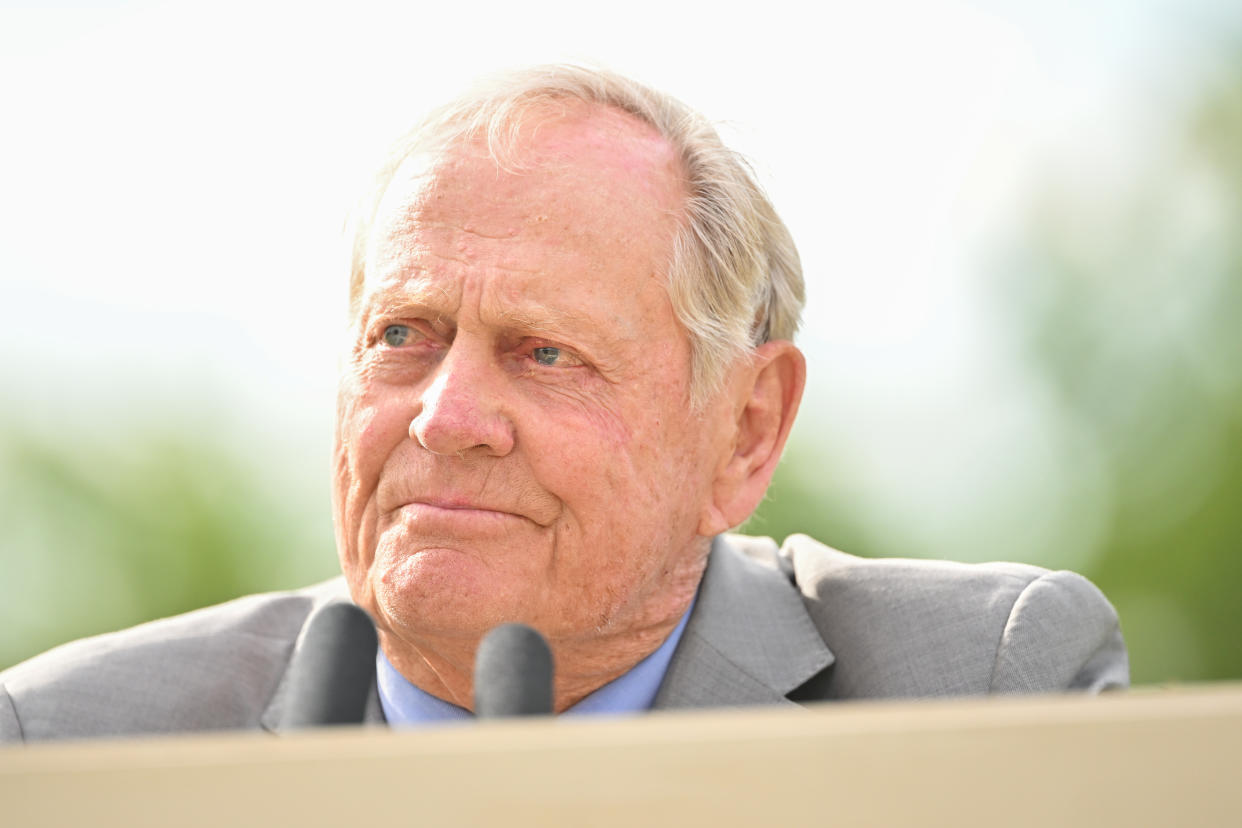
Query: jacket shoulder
[904, 628]
[214, 668]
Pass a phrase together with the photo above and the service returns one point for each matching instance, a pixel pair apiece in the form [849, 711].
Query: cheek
[369, 426]
[633, 514]
[630, 475]
[366, 435]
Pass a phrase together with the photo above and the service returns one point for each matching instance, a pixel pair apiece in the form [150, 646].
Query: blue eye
[397, 335]
[546, 355]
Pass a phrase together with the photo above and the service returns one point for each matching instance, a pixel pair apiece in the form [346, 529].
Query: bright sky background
[174, 176]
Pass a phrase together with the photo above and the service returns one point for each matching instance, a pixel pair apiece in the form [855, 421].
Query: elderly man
[570, 372]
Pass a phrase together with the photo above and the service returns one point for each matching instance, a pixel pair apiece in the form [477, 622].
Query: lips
[457, 518]
[454, 503]
[406, 486]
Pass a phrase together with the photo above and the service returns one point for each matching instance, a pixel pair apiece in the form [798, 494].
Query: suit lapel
[749, 639]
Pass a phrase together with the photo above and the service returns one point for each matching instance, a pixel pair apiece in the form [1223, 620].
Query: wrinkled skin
[514, 438]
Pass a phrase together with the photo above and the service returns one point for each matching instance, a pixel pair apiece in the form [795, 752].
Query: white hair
[734, 278]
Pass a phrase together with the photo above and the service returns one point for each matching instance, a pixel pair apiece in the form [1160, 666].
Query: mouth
[454, 505]
[457, 516]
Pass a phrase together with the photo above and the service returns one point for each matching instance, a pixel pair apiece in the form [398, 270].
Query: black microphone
[513, 673]
[333, 670]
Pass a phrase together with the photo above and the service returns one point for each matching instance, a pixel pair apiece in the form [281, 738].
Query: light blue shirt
[407, 706]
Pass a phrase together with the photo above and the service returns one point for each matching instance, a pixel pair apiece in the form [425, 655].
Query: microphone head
[333, 670]
[513, 673]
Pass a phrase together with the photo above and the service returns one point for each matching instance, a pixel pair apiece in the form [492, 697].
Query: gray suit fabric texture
[771, 626]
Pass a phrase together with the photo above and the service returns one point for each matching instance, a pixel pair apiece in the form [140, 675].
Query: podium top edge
[821, 720]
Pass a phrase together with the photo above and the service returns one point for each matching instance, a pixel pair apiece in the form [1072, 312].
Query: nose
[462, 406]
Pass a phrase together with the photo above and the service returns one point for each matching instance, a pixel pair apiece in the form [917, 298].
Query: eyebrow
[544, 318]
[403, 303]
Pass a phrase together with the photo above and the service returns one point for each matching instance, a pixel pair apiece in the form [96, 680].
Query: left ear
[764, 393]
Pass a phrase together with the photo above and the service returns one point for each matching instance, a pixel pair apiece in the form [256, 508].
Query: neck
[584, 661]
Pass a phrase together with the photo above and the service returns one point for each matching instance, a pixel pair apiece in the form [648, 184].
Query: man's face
[514, 441]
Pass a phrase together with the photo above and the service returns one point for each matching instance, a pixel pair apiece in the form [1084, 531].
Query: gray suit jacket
[772, 627]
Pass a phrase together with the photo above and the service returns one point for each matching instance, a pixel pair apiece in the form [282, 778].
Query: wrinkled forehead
[572, 175]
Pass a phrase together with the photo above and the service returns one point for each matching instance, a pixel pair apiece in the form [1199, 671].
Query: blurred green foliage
[1140, 336]
[101, 533]
[1125, 304]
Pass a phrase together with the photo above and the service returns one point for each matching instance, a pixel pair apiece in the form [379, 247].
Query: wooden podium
[1148, 757]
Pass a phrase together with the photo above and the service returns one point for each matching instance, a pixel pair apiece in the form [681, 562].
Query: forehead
[581, 187]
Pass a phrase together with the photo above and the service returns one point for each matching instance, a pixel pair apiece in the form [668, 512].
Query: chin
[444, 592]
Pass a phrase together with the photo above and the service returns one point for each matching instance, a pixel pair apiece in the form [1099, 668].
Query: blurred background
[1021, 225]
